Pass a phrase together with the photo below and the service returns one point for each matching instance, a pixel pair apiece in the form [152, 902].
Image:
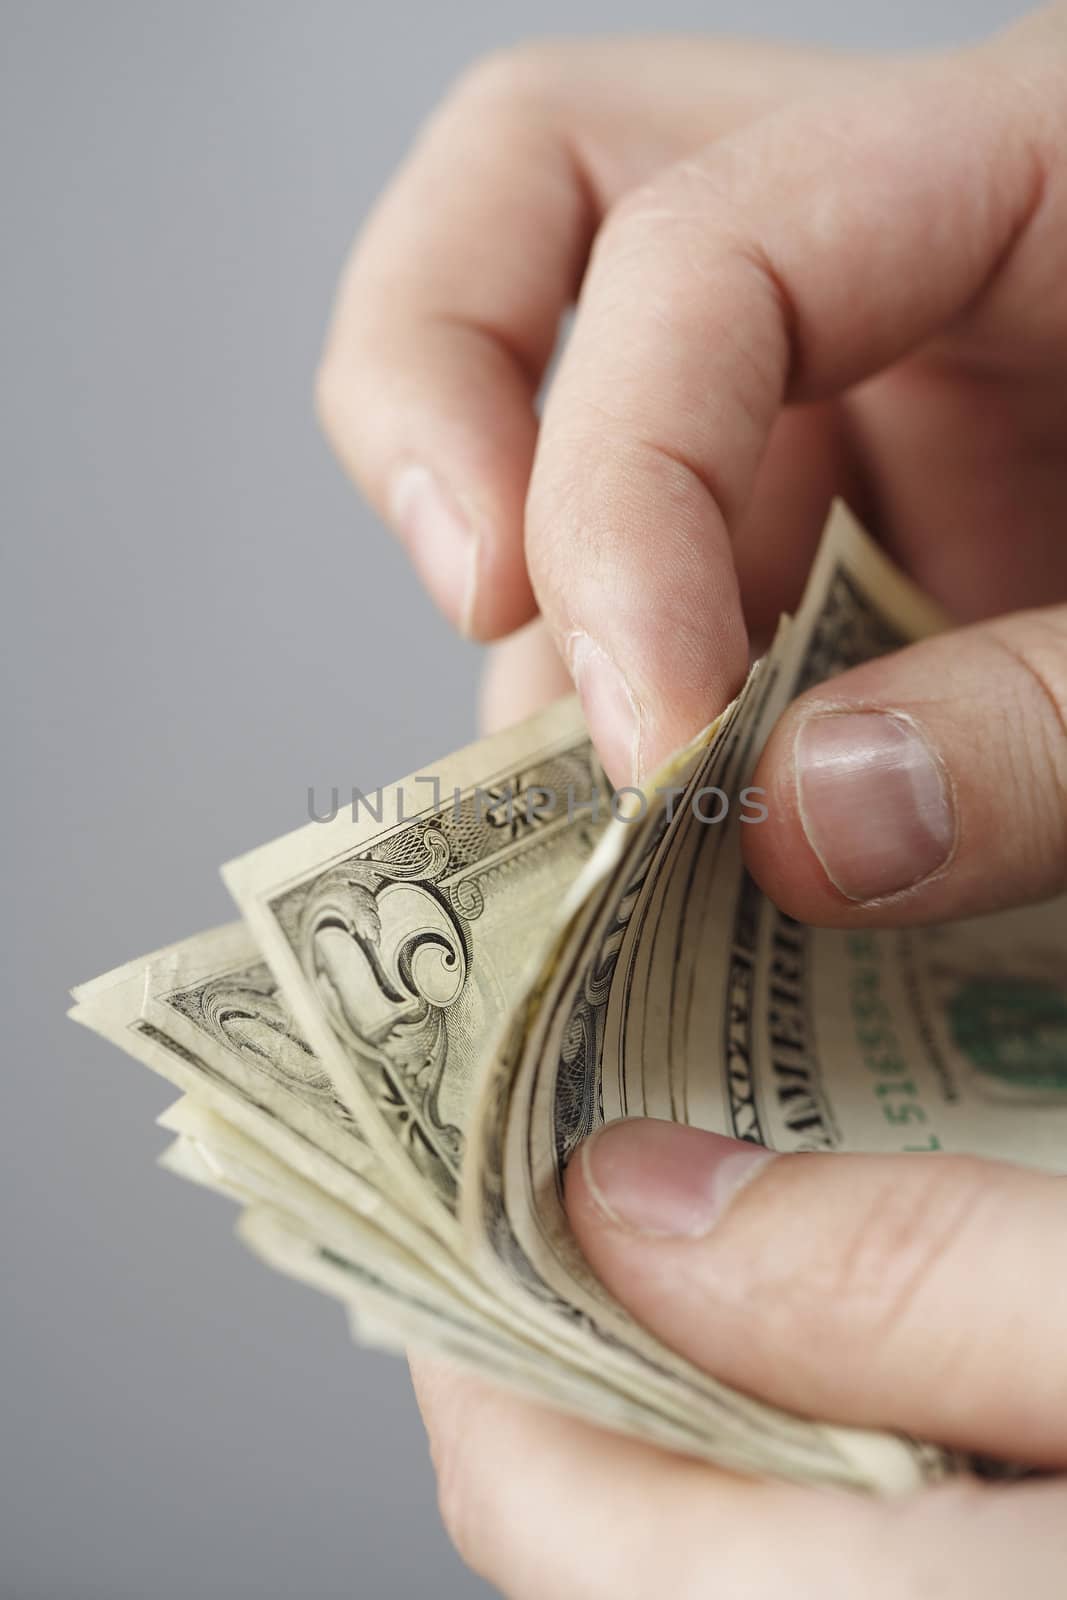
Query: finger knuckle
[633, 225]
[1038, 653]
[687, 203]
[515, 75]
[899, 1243]
[327, 393]
[454, 1502]
[456, 1495]
[686, 237]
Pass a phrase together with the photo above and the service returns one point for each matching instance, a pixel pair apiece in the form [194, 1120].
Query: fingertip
[441, 541]
[500, 598]
[523, 674]
[438, 428]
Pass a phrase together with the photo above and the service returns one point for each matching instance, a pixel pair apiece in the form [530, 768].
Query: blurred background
[200, 621]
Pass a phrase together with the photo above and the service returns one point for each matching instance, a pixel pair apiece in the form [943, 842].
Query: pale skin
[799, 275]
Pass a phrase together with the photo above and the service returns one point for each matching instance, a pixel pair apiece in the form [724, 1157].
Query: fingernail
[611, 712]
[664, 1179]
[444, 549]
[874, 801]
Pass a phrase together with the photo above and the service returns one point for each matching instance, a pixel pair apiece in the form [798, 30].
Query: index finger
[448, 311]
[781, 264]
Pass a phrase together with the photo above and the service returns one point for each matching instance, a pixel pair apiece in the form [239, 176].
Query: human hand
[800, 275]
[912, 1294]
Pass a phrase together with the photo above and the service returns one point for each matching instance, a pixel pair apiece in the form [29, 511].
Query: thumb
[924, 786]
[908, 1292]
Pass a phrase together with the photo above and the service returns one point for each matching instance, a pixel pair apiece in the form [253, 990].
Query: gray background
[201, 620]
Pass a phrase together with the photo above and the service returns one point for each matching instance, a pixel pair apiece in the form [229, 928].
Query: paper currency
[434, 997]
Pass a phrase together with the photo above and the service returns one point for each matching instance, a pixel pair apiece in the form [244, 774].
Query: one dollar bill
[436, 995]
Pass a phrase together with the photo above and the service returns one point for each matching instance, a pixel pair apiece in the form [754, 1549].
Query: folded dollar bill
[436, 994]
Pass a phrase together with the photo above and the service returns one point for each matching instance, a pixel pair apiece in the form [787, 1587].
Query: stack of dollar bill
[435, 995]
